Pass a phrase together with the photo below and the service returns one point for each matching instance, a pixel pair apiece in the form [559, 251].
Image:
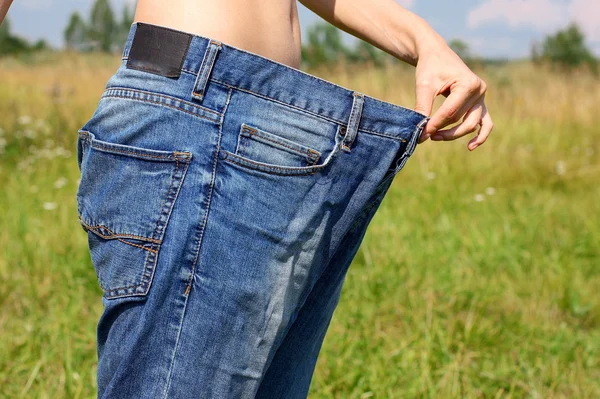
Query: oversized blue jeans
[224, 201]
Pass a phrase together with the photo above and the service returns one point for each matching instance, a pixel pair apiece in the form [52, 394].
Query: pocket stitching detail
[96, 230]
[155, 242]
[271, 169]
[301, 150]
[113, 148]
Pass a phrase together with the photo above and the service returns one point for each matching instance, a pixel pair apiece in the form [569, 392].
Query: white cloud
[540, 13]
[544, 15]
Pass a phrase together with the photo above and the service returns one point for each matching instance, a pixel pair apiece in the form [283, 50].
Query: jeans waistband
[265, 77]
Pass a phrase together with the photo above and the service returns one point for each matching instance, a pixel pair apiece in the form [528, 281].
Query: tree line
[323, 44]
[102, 32]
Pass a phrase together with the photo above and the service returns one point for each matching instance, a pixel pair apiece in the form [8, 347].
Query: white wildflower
[430, 175]
[24, 164]
[24, 120]
[490, 191]
[30, 133]
[50, 206]
[62, 152]
[479, 197]
[41, 124]
[561, 168]
[60, 183]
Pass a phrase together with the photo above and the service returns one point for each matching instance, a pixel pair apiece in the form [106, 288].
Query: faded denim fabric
[223, 209]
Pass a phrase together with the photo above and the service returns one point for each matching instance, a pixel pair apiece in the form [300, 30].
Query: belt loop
[204, 73]
[353, 121]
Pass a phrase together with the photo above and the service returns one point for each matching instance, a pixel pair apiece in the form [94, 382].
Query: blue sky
[492, 28]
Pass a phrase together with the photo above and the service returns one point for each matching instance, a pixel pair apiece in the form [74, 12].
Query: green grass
[478, 277]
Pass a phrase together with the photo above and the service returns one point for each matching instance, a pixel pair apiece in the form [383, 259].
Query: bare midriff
[266, 27]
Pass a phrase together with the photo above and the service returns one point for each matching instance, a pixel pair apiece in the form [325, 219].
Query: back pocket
[124, 199]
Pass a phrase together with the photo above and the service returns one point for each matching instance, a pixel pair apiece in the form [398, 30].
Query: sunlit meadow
[479, 277]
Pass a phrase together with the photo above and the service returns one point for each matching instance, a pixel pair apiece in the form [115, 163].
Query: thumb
[425, 99]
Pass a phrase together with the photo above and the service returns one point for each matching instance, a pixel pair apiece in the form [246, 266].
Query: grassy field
[478, 278]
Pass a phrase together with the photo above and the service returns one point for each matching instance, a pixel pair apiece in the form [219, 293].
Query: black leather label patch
[158, 50]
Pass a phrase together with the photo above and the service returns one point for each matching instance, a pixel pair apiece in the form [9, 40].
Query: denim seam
[107, 94]
[299, 109]
[149, 269]
[113, 150]
[137, 245]
[200, 71]
[150, 93]
[208, 62]
[312, 114]
[196, 255]
[350, 120]
[308, 152]
[272, 169]
[165, 204]
[151, 259]
[116, 235]
[399, 164]
[208, 198]
[112, 294]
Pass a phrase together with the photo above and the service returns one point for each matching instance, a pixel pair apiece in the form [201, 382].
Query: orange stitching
[208, 197]
[138, 246]
[201, 77]
[167, 199]
[346, 135]
[303, 110]
[162, 105]
[112, 293]
[116, 89]
[278, 170]
[246, 139]
[115, 235]
[262, 136]
[109, 148]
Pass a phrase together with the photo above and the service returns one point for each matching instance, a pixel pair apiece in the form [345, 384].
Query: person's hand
[441, 71]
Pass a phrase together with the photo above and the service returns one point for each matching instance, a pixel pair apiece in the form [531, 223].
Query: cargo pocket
[124, 200]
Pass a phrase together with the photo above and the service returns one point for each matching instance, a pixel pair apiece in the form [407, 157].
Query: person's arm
[4, 5]
[399, 32]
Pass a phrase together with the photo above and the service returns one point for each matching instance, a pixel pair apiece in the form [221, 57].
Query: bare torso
[266, 27]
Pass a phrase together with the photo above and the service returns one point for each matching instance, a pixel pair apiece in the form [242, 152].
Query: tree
[324, 45]
[460, 48]
[76, 33]
[366, 52]
[566, 49]
[127, 18]
[102, 26]
[10, 44]
[124, 25]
